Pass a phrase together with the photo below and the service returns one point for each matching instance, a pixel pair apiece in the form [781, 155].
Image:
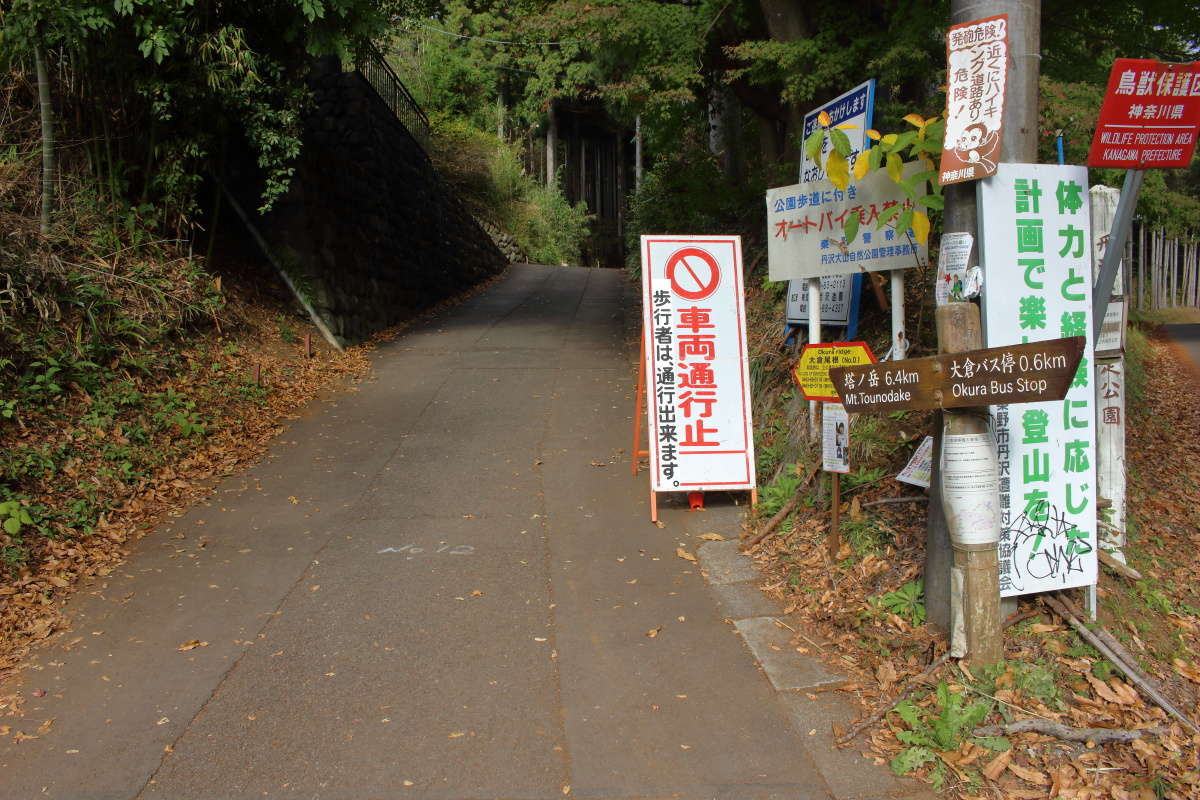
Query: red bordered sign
[697, 379]
[1150, 116]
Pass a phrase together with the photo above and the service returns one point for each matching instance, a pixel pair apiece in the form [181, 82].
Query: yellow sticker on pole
[811, 372]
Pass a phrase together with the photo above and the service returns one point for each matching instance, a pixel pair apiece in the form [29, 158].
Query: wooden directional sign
[811, 372]
[1019, 373]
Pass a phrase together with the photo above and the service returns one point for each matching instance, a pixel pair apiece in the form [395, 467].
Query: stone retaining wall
[368, 230]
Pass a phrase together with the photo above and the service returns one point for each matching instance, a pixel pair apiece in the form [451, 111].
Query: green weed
[908, 601]
[865, 536]
[938, 729]
[774, 497]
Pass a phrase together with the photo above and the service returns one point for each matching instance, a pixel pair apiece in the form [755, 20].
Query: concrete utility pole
[1018, 145]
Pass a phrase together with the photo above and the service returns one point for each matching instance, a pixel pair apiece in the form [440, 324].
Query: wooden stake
[1141, 295]
[834, 540]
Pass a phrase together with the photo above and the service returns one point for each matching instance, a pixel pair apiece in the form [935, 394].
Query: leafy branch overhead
[893, 152]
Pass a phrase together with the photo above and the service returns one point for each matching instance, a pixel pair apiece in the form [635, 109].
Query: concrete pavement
[440, 585]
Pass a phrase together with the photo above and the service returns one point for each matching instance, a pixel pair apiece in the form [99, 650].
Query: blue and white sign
[856, 107]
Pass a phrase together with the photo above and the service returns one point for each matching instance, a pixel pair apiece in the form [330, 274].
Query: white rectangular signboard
[804, 229]
[839, 300]
[1112, 329]
[698, 385]
[1036, 255]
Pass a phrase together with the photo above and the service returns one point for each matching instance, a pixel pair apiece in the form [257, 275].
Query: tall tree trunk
[43, 84]
[786, 23]
[551, 146]
[637, 154]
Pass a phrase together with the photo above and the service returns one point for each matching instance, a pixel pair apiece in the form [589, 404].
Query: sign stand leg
[814, 336]
[899, 340]
[639, 405]
[834, 540]
[653, 506]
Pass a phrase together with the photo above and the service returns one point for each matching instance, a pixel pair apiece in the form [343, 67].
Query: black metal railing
[391, 90]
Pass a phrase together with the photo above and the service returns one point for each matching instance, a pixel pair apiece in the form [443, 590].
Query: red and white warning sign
[697, 378]
[1150, 116]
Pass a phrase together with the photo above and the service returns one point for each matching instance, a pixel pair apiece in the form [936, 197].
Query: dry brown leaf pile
[831, 605]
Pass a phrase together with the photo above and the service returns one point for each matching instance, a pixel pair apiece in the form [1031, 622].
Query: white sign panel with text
[1036, 252]
[804, 229]
[698, 385]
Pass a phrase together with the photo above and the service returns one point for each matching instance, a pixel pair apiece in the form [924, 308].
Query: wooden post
[1141, 296]
[834, 539]
[959, 329]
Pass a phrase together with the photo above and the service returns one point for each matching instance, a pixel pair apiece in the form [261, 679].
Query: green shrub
[486, 173]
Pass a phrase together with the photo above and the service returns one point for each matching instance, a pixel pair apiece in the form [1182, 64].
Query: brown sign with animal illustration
[976, 71]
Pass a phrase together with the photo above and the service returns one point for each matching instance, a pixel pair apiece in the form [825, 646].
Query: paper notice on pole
[971, 488]
[835, 441]
[952, 267]
[919, 468]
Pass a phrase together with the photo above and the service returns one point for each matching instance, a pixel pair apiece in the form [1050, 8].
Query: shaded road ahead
[440, 585]
[1188, 337]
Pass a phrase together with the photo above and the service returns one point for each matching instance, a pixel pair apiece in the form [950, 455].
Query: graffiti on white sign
[1036, 249]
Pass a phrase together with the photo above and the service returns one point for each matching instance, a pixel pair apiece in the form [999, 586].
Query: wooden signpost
[812, 376]
[1020, 373]
[811, 372]
[970, 479]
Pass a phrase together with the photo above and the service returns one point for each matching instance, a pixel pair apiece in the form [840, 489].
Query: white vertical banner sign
[698, 382]
[1104, 201]
[1036, 254]
[1110, 383]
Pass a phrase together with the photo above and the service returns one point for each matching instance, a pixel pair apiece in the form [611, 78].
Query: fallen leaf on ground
[886, 674]
[1027, 774]
[684, 554]
[712, 537]
[191, 645]
[654, 631]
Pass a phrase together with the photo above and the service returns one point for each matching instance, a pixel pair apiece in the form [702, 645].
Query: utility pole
[979, 568]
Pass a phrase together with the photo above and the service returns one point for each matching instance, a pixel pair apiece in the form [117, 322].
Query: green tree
[160, 84]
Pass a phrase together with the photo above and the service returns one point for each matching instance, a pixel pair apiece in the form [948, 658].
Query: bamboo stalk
[1131, 671]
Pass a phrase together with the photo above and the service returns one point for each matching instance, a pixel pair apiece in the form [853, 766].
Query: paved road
[439, 586]
[1188, 338]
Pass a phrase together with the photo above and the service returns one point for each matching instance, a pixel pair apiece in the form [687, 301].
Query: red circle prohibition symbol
[693, 273]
